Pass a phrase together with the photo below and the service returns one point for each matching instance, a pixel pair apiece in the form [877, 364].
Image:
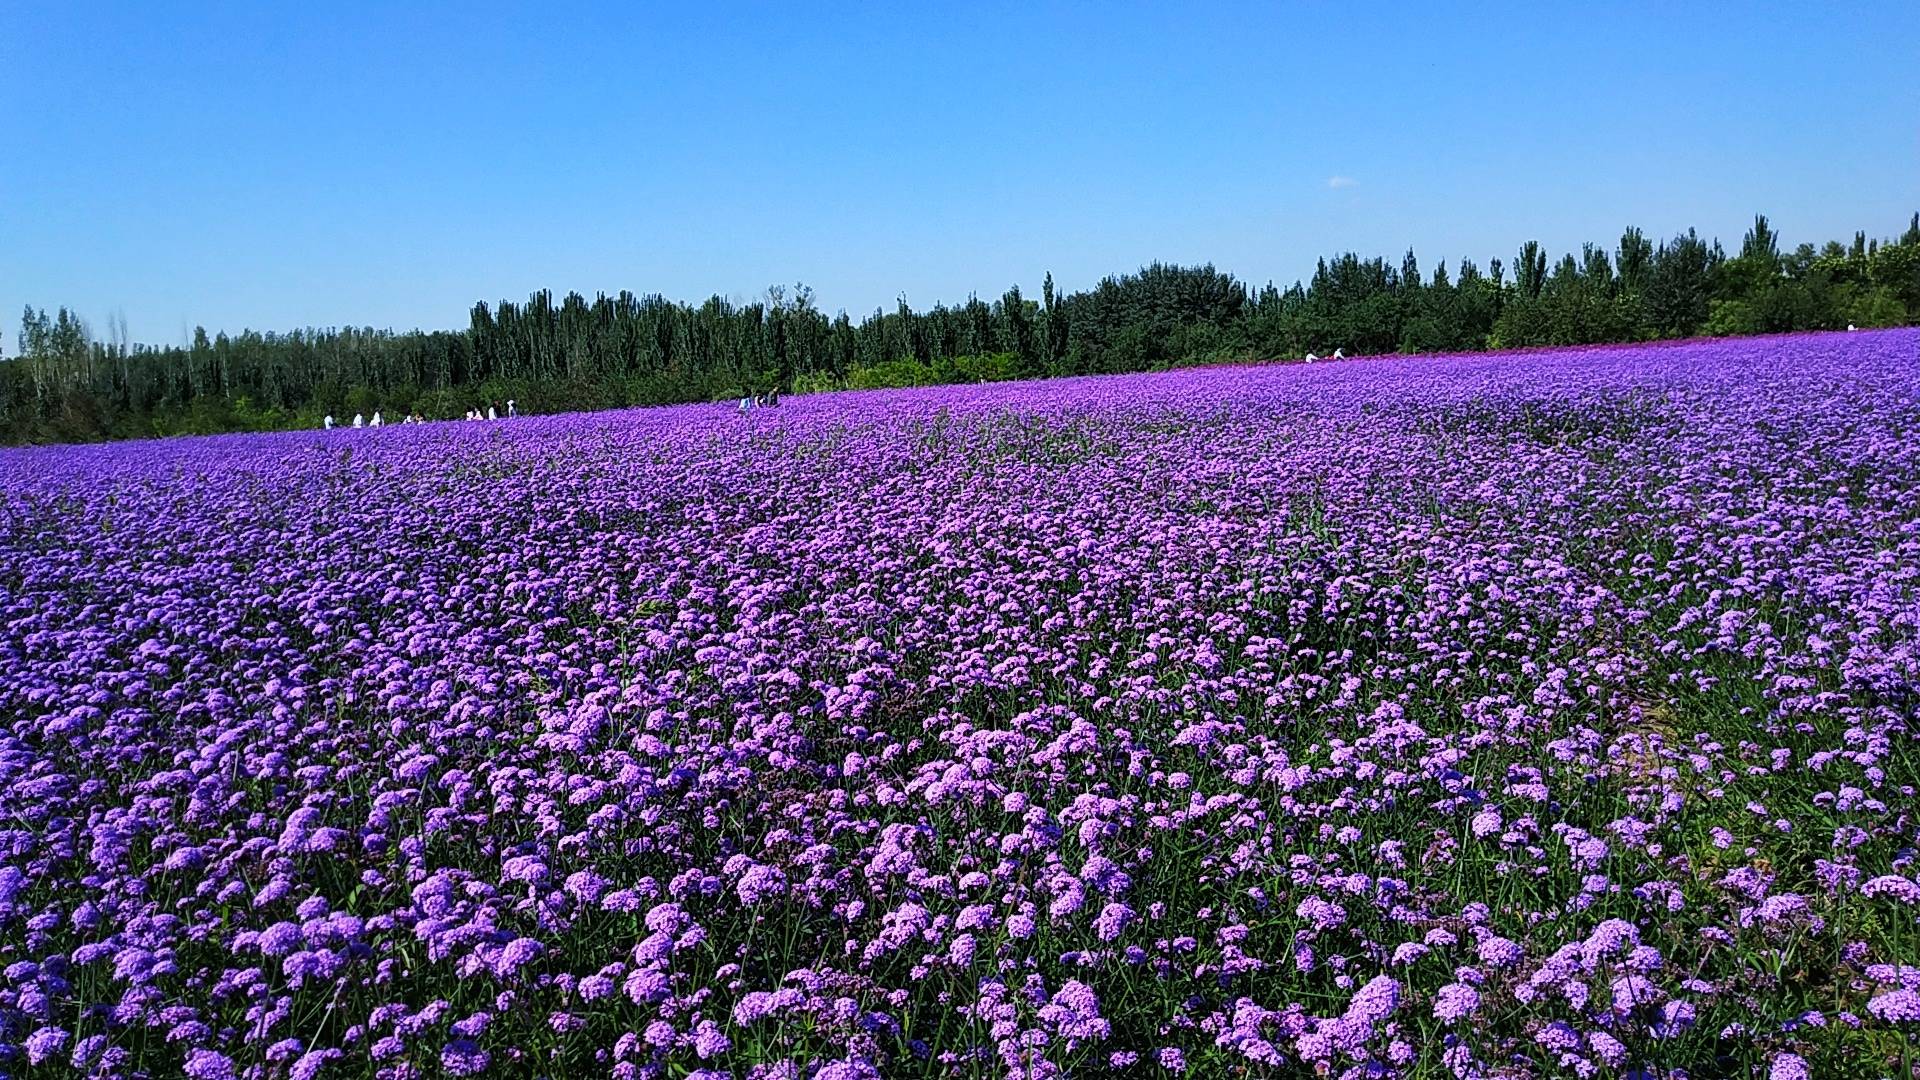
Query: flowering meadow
[1546, 714]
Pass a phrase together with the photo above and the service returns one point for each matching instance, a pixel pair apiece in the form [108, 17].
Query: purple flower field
[1503, 716]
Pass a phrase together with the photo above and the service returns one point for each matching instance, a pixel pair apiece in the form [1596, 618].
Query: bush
[891, 375]
[1877, 307]
[986, 367]
[1728, 318]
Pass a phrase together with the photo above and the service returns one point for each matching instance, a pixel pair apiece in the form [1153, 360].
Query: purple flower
[526, 868]
[1486, 822]
[1896, 1006]
[1375, 1001]
[1676, 1017]
[1632, 991]
[515, 955]
[463, 1057]
[44, 1044]
[1074, 1011]
[1455, 1002]
[280, 939]
[1787, 1066]
[1499, 952]
[1322, 914]
[709, 1041]
[1894, 886]
[1112, 921]
[311, 1063]
[203, 1064]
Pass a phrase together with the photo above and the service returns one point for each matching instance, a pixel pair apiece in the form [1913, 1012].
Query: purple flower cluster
[1502, 715]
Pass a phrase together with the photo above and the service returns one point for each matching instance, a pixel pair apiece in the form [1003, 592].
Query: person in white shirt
[376, 418]
[328, 422]
[359, 420]
[511, 410]
[492, 413]
[1339, 355]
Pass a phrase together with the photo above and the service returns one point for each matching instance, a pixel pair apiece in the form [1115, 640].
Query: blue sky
[231, 165]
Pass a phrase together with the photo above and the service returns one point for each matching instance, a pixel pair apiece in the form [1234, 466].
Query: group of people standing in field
[491, 412]
[768, 400]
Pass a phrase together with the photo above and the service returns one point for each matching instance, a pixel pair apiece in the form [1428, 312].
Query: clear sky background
[277, 166]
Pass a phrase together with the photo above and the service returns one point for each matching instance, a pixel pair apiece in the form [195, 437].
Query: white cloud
[1338, 182]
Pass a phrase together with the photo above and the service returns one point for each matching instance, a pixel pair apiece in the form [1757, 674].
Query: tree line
[64, 383]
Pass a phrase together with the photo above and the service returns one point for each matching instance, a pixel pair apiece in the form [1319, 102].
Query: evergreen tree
[580, 352]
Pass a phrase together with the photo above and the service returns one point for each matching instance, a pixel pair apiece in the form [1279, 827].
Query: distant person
[1338, 355]
[1311, 358]
[375, 422]
[746, 403]
[359, 420]
[328, 422]
[512, 411]
[492, 414]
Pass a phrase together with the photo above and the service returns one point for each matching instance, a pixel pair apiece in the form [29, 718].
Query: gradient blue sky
[333, 163]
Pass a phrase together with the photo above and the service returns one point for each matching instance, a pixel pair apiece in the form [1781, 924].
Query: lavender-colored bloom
[205, 1064]
[1499, 952]
[44, 1044]
[1633, 991]
[1905, 890]
[1074, 1011]
[1896, 1006]
[659, 1034]
[1608, 1049]
[1676, 1017]
[312, 1063]
[1455, 1002]
[709, 1041]
[1321, 913]
[515, 955]
[1788, 1066]
[1486, 822]
[463, 1057]
[1375, 1001]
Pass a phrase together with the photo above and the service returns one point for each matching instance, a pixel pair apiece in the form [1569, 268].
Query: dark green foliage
[1675, 298]
[1136, 322]
[627, 349]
